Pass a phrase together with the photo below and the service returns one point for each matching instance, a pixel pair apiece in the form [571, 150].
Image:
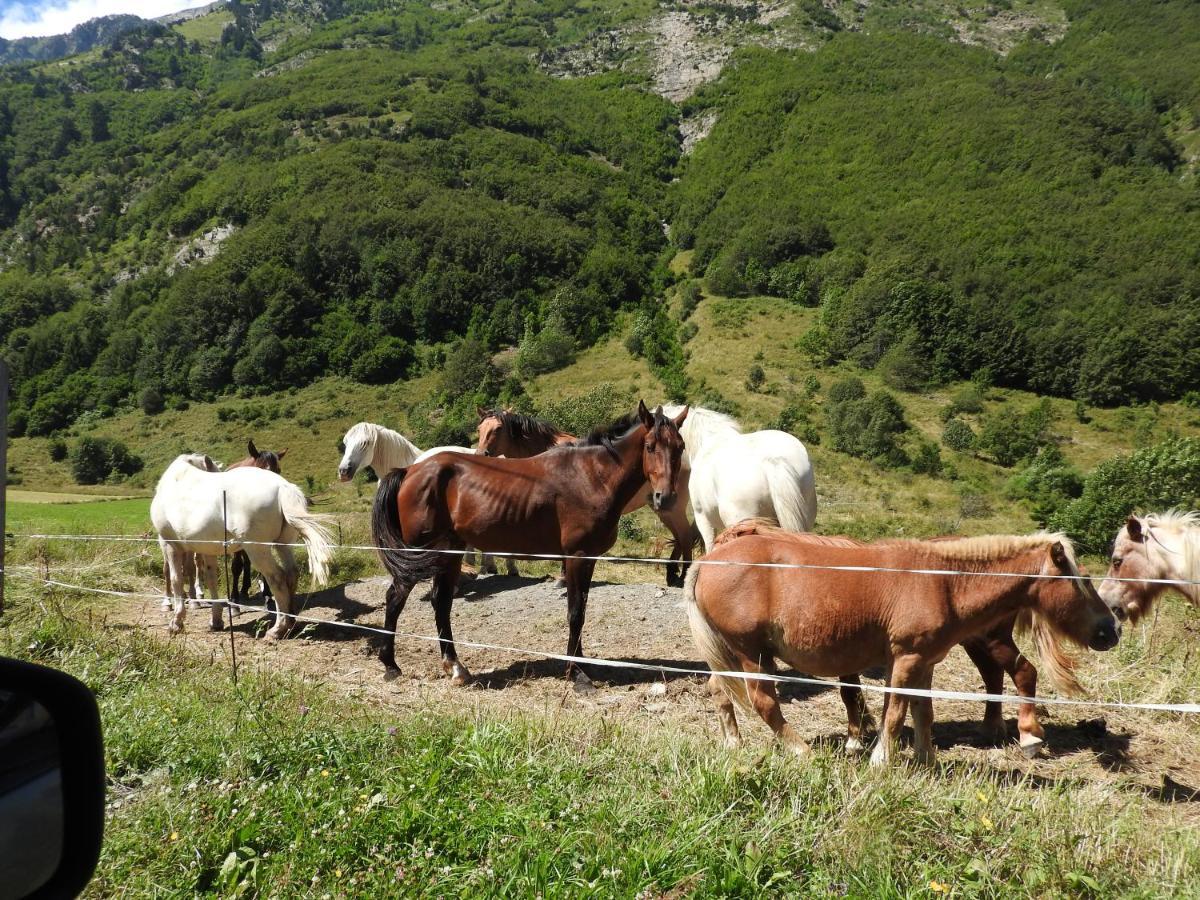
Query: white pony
[368, 444]
[736, 476]
[195, 509]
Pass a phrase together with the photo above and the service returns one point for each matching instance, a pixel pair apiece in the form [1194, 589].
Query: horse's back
[763, 474]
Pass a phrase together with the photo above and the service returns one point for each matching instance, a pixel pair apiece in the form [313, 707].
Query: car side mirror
[51, 782]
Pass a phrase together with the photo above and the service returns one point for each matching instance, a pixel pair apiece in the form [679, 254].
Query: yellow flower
[337, 872]
[939, 888]
[324, 773]
[983, 798]
[987, 823]
[174, 835]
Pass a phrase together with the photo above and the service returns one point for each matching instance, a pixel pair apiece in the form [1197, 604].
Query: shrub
[868, 428]
[94, 460]
[756, 378]
[580, 414]
[846, 389]
[1047, 483]
[968, 399]
[794, 419]
[151, 401]
[386, 362]
[58, 450]
[903, 368]
[1154, 478]
[927, 460]
[974, 505]
[689, 298]
[1009, 436]
[812, 385]
[958, 436]
[544, 351]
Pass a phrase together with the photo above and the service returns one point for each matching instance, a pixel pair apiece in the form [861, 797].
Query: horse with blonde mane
[200, 511]
[775, 595]
[368, 444]
[1161, 546]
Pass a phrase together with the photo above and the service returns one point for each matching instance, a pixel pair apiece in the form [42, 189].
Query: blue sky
[23, 18]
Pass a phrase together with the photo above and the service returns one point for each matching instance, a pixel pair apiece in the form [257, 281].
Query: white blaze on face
[359, 443]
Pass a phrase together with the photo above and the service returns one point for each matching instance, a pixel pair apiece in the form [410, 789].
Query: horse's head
[201, 461]
[360, 449]
[491, 433]
[265, 459]
[1147, 547]
[662, 453]
[1071, 605]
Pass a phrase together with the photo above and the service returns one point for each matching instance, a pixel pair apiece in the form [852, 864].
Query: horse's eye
[1116, 562]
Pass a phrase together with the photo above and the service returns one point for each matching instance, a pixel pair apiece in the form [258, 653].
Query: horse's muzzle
[661, 502]
[1105, 636]
[345, 474]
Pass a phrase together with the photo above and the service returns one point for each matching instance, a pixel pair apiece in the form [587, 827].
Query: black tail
[404, 563]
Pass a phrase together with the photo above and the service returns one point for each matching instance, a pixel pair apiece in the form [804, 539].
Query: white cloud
[43, 17]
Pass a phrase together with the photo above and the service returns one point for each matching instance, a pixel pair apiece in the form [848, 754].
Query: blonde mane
[1174, 537]
[389, 449]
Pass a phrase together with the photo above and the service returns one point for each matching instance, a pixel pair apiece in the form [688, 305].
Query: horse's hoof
[994, 735]
[459, 676]
[1032, 747]
[391, 673]
[174, 629]
[216, 626]
[581, 683]
[879, 756]
[855, 745]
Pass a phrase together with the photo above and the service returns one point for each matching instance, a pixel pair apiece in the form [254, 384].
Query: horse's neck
[700, 429]
[392, 451]
[625, 474]
[981, 597]
[1178, 552]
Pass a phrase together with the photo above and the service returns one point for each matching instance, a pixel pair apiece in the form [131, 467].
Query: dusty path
[1142, 753]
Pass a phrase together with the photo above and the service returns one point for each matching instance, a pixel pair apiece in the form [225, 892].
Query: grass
[279, 786]
[207, 28]
[108, 517]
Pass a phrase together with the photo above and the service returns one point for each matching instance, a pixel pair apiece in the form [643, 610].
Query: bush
[974, 505]
[812, 386]
[968, 399]
[756, 378]
[794, 419]
[1151, 479]
[689, 298]
[580, 414]
[958, 436]
[846, 389]
[1009, 436]
[386, 362]
[151, 401]
[58, 450]
[868, 428]
[98, 459]
[547, 350]
[1047, 483]
[927, 460]
[903, 368]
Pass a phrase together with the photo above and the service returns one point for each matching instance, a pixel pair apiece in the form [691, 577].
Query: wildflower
[939, 887]
[987, 823]
[983, 798]
[324, 773]
[174, 835]
[392, 731]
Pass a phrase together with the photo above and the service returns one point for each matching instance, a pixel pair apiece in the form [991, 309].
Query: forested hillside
[273, 192]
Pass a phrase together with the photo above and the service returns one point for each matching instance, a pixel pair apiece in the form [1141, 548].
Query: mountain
[254, 197]
[80, 39]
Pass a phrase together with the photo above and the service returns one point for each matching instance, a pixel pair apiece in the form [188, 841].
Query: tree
[151, 401]
[958, 436]
[98, 115]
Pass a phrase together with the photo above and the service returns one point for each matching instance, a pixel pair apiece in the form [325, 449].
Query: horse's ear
[209, 465]
[1058, 555]
[282, 453]
[644, 414]
[253, 450]
[679, 419]
[1133, 527]
[482, 412]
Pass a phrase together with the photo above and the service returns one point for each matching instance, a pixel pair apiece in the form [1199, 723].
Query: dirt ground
[1143, 753]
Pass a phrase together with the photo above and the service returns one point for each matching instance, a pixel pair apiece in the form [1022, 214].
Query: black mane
[604, 435]
[519, 426]
[267, 459]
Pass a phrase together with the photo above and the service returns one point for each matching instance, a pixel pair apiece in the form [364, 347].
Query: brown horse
[836, 622]
[266, 459]
[518, 436]
[566, 501]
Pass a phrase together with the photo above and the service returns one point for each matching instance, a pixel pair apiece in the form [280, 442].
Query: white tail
[713, 647]
[315, 534]
[792, 494]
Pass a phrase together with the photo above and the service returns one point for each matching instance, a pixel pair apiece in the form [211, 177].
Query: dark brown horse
[503, 432]
[565, 501]
[830, 621]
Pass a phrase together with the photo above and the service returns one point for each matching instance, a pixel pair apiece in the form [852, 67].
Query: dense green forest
[277, 191]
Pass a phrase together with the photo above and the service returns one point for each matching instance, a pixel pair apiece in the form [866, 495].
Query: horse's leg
[903, 671]
[765, 700]
[708, 526]
[725, 713]
[858, 717]
[922, 713]
[206, 570]
[444, 584]
[397, 594]
[677, 523]
[980, 651]
[1024, 675]
[167, 594]
[579, 581]
[177, 566]
[277, 578]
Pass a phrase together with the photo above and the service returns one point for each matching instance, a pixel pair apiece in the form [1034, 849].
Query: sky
[25, 18]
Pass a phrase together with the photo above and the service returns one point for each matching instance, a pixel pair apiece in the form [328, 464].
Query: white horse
[368, 444]
[194, 510]
[736, 476]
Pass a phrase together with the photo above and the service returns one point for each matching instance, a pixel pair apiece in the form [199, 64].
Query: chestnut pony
[566, 501]
[517, 436]
[836, 622]
[1162, 546]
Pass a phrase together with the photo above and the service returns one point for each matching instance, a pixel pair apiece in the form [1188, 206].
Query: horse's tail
[313, 531]
[403, 562]
[792, 494]
[713, 646]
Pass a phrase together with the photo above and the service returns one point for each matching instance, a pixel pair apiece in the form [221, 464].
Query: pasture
[315, 776]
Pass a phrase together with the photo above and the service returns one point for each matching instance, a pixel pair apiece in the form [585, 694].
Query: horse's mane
[399, 445]
[520, 426]
[1184, 528]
